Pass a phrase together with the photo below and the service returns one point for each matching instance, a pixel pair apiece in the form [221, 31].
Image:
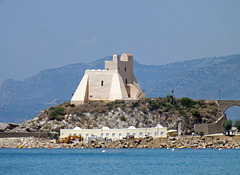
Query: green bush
[123, 118]
[109, 106]
[53, 107]
[119, 102]
[187, 102]
[182, 113]
[135, 104]
[170, 99]
[153, 104]
[114, 104]
[72, 105]
[196, 114]
[227, 125]
[201, 133]
[56, 112]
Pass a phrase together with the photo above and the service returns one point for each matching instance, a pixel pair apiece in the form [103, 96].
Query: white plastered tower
[115, 82]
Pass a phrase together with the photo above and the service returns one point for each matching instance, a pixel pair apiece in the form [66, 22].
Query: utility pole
[219, 94]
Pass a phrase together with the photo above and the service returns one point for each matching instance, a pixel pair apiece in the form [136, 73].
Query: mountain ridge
[196, 79]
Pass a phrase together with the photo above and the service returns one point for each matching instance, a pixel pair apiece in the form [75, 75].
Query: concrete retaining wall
[211, 128]
[24, 134]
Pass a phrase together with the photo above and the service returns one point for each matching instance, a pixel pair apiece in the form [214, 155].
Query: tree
[227, 125]
[187, 102]
[56, 112]
[201, 133]
[237, 124]
[197, 116]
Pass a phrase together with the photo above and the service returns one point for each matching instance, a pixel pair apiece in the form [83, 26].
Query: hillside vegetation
[146, 112]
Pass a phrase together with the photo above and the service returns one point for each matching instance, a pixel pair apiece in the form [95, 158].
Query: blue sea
[119, 161]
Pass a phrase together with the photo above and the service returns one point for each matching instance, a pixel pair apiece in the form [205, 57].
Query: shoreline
[214, 142]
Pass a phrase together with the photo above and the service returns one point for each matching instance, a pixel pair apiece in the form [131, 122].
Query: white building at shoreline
[115, 134]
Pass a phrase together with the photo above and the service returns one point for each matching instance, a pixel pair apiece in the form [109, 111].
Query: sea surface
[119, 161]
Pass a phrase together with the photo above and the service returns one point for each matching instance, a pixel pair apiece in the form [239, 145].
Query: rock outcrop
[3, 126]
[122, 114]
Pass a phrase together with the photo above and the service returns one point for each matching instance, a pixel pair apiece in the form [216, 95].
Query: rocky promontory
[146, 112]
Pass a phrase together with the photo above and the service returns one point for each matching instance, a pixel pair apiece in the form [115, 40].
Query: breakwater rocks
[188, 142]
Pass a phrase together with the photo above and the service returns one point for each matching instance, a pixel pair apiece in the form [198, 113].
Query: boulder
[3, 126]
[172, 138]
[12, 126]
[131, 145]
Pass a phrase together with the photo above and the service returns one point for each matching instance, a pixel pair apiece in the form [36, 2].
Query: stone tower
[115, 82]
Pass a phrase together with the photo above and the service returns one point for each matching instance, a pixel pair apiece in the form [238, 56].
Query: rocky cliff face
[146, 112]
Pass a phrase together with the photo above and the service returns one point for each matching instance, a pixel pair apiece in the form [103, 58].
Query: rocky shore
[188, 142]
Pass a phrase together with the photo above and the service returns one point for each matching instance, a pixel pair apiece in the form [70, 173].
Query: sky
[42, 34]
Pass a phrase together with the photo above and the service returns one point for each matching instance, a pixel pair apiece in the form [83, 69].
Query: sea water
[119, 161]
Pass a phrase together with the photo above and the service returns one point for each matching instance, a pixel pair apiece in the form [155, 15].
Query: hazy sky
[42, 34]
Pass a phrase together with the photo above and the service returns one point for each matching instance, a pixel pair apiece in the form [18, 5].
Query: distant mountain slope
[47, 86]
[197, 79]
[203, 81]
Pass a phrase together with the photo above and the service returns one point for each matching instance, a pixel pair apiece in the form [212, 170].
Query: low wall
[211, 128]
[201, 128]
[24, 134]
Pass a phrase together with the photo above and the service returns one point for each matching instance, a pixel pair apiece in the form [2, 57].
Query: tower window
[125, 68]
[101, 83]
[126, 81]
